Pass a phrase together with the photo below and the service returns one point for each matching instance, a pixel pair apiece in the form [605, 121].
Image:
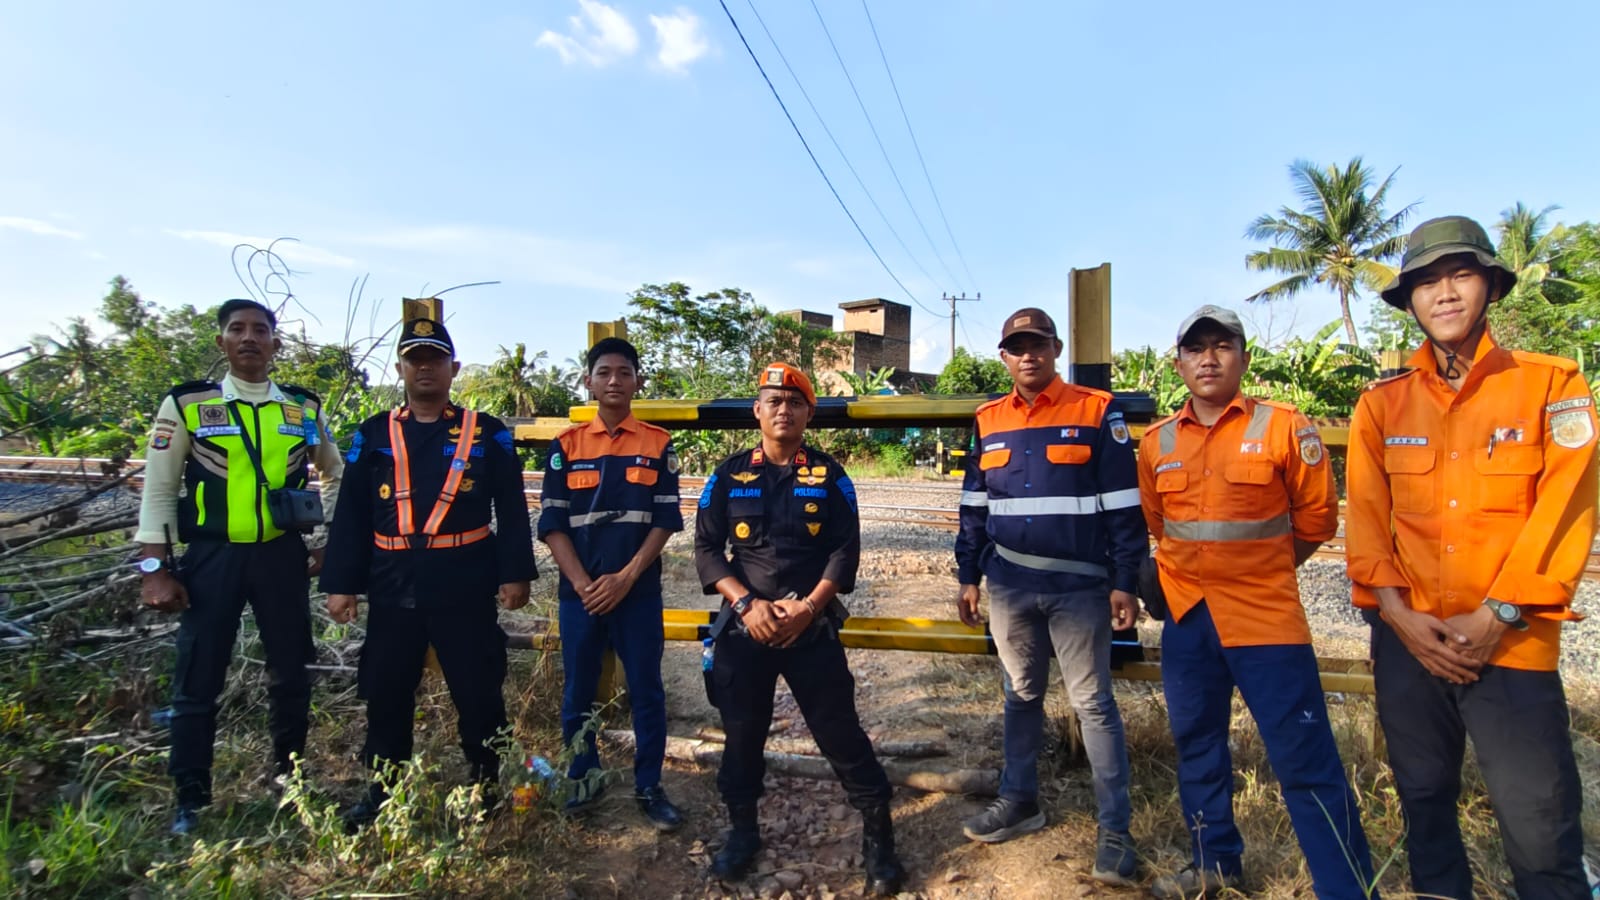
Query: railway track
[46, 470]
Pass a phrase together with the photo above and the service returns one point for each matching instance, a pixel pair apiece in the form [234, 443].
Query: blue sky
[574, 149]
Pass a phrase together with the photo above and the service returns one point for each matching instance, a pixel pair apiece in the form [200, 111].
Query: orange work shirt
[1489, 491]
[1226, 504]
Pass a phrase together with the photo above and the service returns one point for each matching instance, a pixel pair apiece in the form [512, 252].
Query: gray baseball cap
[1227, 318]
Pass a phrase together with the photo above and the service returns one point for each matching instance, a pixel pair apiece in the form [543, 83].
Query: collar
[1240, 402]
[1485, 356]
[448, 414]
[596, 426]
[1051, 395]
[758, 456]
[238, 389]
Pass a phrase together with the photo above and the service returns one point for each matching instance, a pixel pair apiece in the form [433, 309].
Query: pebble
[789, 878]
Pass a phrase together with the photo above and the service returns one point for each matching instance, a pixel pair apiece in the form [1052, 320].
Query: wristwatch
[1508, 613]
[150, 565]
[742, 605]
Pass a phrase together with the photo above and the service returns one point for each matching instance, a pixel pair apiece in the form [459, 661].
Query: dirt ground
[813, 838]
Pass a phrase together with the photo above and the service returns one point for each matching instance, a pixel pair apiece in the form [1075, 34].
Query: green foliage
[1151, 372]
[518, 385]
[1340, 237]
[1322, 376]
[874, 382]
[967, 374]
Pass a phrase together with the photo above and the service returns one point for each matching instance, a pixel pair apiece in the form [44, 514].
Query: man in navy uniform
[425, 482]
[609, 504]
[789, 512]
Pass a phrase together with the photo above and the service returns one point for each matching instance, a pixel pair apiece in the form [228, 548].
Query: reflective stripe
[1049, 563]
[1169, 437]
[667, 498]
[1249, 530]
[1043, 506]
[611, 515]
[1258, 423]
[458, 469]
[404, 521]
[974, 498]
[560, 504]
[434, 542]
[1120, 499]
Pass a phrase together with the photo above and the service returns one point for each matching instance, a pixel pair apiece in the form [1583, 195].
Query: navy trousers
[633, 629]
[1280, 686]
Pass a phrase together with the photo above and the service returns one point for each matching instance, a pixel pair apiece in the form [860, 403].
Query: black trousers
[1518, 723]
[746, 674]
[221, 577]
[472, 652]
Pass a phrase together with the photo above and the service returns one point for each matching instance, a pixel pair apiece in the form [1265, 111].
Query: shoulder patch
[355, 448]
[705, 493]
[503, 438]
[1562, 363]
[1573, 428]
[194, 387]
[303, 392]
[1570, 403]
[847, 487]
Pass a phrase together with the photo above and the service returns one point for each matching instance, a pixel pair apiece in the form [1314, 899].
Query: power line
[776, 96]
[874, 129]
[915, 145]
[829, 132]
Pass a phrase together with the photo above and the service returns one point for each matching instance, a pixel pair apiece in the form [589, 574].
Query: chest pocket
[1507, 478]
[583, 480]
[1068, 454]
[642, 475]
[747, 520]
[994, 459]
[1172, 481]
[1410, 471]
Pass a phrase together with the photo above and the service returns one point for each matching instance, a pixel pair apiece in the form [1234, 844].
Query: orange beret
[783, 375]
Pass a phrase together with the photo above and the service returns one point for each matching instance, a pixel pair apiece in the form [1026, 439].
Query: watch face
[1505, 612]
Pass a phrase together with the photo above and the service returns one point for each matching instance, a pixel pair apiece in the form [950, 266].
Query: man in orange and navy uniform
[1471, 514]
[1238, 493]
[1050, 514]
[412, 532]
[609, 504]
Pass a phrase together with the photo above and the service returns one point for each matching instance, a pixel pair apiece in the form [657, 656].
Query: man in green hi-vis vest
[226, 470]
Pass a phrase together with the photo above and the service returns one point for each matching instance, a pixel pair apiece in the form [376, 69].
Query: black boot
[885, 875]
[365, 811]
[739, 851]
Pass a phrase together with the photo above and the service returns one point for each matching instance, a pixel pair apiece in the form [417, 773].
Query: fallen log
[940, 780]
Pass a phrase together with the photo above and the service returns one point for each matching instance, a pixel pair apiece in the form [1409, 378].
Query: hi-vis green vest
[223, 498]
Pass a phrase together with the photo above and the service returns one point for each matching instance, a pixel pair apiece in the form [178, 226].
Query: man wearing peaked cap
[1238, 492]
[1472, 494]
[433, 528]
[778, 536]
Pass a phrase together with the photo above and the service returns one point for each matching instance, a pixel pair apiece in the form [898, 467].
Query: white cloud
[599, 35]
[922, 351]
[501, 253]
[293, 252]
[679, 39]
[34, 226]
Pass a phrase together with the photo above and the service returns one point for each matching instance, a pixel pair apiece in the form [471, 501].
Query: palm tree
[1528, 247]
[506, 387]
[1339, 238]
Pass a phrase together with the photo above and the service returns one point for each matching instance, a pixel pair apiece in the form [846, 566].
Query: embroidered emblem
[1311, 451]
[423, 328]
[705, 492]
[774, 377]
[384, 492]
[161, 441]
[466, 485]
[1119, 431]
[811, 507]
[555, 461]
[213, 415]
[1306, 431]
[294, 415]
[1250, 447]
[1572, 429]
[744, 477]
[741, 530]
[1403, 441]
[1020, 321]
[1574, 403]
[1069, 432]
[814, 528]
[757, 457]
[216, 431]
[1507, 435]
[672, 462]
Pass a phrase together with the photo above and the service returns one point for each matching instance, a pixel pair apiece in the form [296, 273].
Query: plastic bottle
[707, 655]
[537, 774]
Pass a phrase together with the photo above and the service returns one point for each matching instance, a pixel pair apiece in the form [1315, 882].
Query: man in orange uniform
[1471, 513]
[1238, 493]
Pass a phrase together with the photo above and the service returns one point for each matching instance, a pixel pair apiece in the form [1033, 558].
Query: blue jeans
[634, 630]
[1076, 626]
[1280, 685]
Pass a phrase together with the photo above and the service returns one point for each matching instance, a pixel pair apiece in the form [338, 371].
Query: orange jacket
[1226, 504]
[1489, 492]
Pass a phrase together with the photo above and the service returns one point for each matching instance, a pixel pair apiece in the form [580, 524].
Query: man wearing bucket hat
[778, 536]
[1238, 492]
[1472, 493]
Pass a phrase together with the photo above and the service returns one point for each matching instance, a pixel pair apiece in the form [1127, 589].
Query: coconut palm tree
[1528, 247]
[1340, 237]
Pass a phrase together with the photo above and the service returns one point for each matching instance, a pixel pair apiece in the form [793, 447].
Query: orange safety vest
[409, 537]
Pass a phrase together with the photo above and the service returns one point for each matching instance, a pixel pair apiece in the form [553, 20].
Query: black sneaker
[365, 812]
[658, 809]
[1004, 820]
[585, 794]
[186, 821]
[1116, 861]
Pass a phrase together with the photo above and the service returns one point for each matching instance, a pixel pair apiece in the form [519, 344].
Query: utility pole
[952, 301]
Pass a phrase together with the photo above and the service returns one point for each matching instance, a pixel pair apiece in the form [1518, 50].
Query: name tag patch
[810, 492]
[215, 430]
[1001, 445]
[1169, 466]
[1574, 403]
[1403, 441]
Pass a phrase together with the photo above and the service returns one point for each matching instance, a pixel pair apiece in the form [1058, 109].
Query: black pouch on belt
[1150, 590]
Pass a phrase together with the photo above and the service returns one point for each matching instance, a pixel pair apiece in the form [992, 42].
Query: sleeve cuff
[1526, 589]
[713, 569]
[841, 574]
[1376, 573]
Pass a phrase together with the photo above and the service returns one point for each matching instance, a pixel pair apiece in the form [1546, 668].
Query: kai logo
[745, 477]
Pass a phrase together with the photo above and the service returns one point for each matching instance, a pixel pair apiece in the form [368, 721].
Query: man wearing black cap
[789, 513]
[1050, 514]
[1471, 514]
[229, 448]
[1238, 492]
[412, 532]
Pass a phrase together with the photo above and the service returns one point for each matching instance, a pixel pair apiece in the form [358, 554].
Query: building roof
[867, 304]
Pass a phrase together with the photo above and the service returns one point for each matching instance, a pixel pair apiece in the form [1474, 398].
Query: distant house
[879, 335]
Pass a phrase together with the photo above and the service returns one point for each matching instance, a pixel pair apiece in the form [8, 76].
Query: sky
[573, 150]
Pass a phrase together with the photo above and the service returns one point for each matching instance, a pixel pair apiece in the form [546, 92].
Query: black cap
[425, 333]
